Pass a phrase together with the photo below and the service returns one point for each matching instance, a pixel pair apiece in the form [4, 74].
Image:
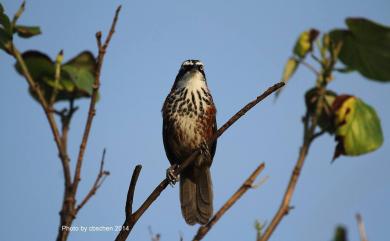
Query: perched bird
[189, 124]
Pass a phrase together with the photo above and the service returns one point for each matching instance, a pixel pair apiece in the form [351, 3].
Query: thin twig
[96, 185]
[203, 230]
[92, 110]
[130, 222]
[362, 229]
[310, 67]
[318, 134]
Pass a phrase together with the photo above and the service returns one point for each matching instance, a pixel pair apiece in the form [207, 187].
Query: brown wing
[169, 143]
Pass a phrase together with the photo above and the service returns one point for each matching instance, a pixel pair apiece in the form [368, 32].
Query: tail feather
[196, 197]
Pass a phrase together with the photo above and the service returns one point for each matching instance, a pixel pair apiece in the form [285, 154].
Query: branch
[92, 110]
[203, 230]
[362, 229]
[309, 66]
[130, 193]
[125, 231]
[69, 209]
[98, 182]
[48, 112]
[130, 222]
[310, 124]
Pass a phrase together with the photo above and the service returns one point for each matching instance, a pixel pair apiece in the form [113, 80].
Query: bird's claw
[171, 176]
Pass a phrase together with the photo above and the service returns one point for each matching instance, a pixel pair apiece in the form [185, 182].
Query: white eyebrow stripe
[192, 62]
[188, 62]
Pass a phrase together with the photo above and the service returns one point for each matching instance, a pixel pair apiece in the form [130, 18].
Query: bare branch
[130, 193]
[92, 110]
[125, 231]
[310, 123]
[49, 114]
[362, 229]
[130, 222]
[249, 106]
[96, 185]
[203, 230]
[69, 209]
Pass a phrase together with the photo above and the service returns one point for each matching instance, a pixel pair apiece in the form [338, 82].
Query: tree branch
[125, 231]
[92, 110]
[69, 210]
[33, 85]
[98, 182]
[130, 222]
[48, 112]
[310, 124]
[203, 230]
[130, 193]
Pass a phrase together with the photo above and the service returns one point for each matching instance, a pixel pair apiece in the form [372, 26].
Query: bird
[189, 124]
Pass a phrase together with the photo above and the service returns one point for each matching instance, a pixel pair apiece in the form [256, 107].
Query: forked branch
[96, 185]
[133, 217]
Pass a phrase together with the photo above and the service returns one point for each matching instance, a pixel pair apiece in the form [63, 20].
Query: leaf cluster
[56, 81]
[364, 47]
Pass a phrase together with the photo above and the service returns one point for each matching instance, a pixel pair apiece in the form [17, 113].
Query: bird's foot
[171, 176]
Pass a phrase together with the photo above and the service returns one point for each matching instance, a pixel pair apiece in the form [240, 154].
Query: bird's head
[191, 73]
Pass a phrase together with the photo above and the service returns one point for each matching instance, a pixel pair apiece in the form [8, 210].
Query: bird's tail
[196, 196]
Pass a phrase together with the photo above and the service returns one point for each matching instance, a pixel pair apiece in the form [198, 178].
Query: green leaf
[365, 48]
[76, 77]
[84, 60]
[81, 77]
[5, 32]
[41, 69]
[358, 127]
[5, 22]
[27, 31]
[81, 70]
[304, 43]
[39, 65]
[340, 234]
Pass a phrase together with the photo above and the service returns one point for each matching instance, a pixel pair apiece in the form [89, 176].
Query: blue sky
[244, 45]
